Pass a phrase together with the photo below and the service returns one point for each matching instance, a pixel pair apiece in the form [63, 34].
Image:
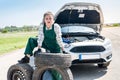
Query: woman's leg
[31, 44]
[56, 75]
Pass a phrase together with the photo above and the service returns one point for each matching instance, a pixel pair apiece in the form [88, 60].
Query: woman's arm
[40, 36]
[57, 30]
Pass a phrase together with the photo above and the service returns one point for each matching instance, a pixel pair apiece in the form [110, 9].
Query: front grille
[86, 49]
[88, 61]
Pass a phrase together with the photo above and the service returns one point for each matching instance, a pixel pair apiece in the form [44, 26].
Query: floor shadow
[87, 72]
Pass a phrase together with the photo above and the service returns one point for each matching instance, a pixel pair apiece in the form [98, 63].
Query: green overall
[50, 43]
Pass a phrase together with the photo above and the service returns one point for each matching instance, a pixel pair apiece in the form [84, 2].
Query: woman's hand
[62, 48]
[39, 47]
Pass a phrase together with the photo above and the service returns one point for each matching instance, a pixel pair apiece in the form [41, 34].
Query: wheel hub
[18, 75]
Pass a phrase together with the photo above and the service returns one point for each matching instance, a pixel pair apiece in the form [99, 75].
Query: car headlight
[107, 43]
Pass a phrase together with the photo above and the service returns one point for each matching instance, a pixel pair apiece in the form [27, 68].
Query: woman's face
[49, 20]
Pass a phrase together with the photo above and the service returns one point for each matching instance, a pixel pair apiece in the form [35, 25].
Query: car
[81, 25]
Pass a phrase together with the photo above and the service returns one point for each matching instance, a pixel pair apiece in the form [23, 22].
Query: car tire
[20, 72]
[104, 65]
[50, 59]
[65, 72]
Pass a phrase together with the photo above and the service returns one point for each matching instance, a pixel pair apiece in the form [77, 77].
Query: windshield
[77, 29]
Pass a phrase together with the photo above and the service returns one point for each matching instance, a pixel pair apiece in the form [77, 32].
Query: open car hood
[80, 14]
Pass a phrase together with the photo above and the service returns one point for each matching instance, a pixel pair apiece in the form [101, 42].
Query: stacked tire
[47, 61]
[43, 61]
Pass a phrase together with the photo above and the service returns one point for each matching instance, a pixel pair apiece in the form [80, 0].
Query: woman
[49, 38]
[50, 34]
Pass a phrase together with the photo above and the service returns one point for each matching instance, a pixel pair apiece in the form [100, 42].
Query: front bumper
[100, 58]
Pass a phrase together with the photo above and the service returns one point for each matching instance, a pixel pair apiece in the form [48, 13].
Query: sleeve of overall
[40, 35]
[57, 29]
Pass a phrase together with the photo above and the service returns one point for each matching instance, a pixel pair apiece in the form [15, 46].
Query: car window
[76, 29]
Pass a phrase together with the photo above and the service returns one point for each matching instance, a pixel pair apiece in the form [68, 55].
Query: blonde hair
[45, 14]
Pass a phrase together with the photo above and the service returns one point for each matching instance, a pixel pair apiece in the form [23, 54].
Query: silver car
[81, 25]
